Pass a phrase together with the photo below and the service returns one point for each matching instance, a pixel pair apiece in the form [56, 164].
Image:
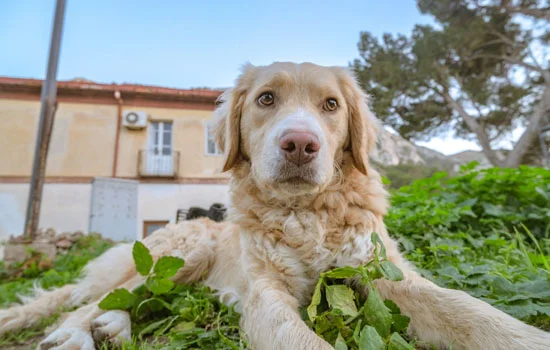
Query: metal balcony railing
[158, 163]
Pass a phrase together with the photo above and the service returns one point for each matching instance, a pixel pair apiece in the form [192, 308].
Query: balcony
[158, 163]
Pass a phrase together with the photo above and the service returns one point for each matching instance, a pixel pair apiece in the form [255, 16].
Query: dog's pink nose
[299, 147]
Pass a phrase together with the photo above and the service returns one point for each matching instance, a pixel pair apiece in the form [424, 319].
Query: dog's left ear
[227, 118]
[363, 127]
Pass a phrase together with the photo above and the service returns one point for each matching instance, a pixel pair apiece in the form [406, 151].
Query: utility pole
[45, 125]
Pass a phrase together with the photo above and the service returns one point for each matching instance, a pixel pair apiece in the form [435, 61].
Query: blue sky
[192, 43]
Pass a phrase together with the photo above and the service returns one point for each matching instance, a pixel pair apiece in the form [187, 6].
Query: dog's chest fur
[295, 243]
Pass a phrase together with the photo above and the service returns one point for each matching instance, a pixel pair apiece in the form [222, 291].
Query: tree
[482, 70]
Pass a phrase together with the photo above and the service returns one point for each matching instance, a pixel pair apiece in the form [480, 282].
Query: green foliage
[405, 174]
[345, 318]
[173, 317]
[64, 269]
[142, 258]
[485, 232]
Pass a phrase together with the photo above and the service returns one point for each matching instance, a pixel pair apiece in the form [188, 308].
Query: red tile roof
[81, 86]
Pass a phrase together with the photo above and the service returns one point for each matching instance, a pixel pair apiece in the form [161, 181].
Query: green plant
[173, 316]
[64, 269]
[485, 232]
[347, 319]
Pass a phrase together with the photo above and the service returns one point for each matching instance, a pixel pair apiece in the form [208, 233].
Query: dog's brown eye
[330, 105]
[266, 99]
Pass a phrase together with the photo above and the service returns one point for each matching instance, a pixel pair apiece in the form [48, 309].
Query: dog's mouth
[292, 175]
[297, 181]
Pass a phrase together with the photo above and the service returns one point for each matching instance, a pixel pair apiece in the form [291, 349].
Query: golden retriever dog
[304, 199]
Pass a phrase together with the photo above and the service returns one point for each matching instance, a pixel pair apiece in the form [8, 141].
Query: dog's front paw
[114, 326]
[68, 339]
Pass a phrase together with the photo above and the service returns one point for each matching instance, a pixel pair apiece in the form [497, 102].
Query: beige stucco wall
[83, 140]
[17, 132]
[189, 138]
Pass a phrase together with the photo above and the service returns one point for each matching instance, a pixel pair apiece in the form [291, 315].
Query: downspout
[118, 97]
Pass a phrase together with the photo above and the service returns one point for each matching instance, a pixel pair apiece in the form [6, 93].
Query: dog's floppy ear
[228, 118]
[363, 127]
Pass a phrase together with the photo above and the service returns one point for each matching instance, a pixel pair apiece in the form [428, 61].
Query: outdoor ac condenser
[134, 119]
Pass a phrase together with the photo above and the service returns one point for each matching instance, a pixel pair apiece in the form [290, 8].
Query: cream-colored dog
[304, 200]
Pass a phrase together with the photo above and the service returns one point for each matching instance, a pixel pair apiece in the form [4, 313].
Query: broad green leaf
[391, 271]
[394, 309]
[400, 322]
[369, 339]
[539, 289]
[142, 258]
[340, 343]
[342, 272]
[315, 301]
[543, 309]
[341, 297]
[377, 314]
[398, 343]
[119, 299]
[503, 287]
[323, 323]
[159, 285]
[167, 266]
[519, 309]
[184, 326]
[492, 210]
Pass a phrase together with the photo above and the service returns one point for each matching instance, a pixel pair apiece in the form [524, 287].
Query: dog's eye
[330, 105]
[266, 99]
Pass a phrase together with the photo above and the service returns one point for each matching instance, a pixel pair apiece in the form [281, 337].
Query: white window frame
[151, 130]
[159, 164]
[209, 137]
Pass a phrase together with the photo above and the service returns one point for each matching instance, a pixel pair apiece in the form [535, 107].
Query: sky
[186, 43]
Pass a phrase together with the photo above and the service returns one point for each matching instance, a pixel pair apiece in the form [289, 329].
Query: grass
[485, 232]
[15, 281]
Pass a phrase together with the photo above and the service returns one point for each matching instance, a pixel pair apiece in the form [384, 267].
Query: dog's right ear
[228, 118]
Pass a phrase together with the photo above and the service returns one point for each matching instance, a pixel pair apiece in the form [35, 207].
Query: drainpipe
[118, 97]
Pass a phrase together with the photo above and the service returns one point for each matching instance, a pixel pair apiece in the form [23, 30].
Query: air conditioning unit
[134, 119]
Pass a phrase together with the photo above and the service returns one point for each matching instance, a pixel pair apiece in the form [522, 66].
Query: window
[151, 226]
[160, 138]
[160, 159]
[212, 148]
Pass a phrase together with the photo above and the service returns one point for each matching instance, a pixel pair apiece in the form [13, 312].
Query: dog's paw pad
[68, 339]
[114, 326]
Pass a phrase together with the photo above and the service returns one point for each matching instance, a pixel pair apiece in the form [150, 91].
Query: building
[123, 159]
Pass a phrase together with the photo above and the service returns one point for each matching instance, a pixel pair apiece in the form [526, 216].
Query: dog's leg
[271, 320]
[46, 303]
[104, 273]
[444, 316]
[78, 327]
[95, 283]
[115, 325]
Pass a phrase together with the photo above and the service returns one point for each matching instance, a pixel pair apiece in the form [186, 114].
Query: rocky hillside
[394, 150]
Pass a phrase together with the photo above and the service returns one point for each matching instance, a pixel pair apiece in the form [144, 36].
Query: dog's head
[294, 124]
